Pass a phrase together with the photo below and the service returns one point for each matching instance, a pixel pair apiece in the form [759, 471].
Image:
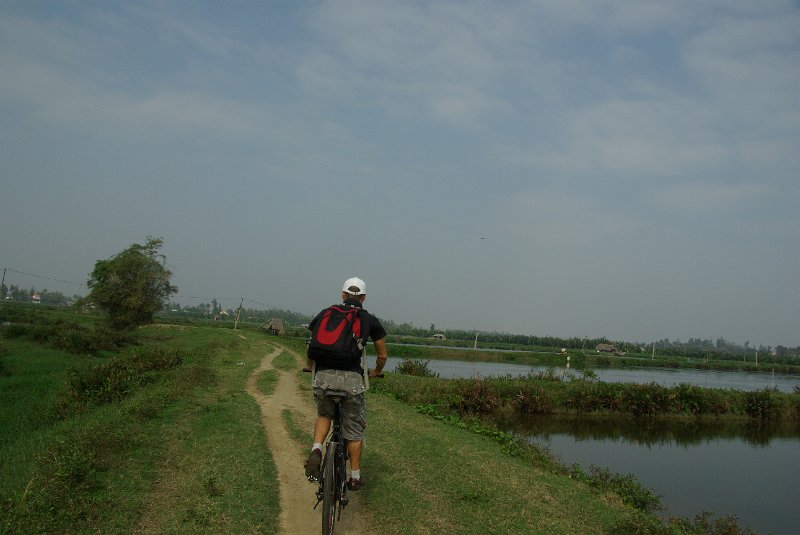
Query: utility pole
[238, 311]
[3, 284]
[653, 356]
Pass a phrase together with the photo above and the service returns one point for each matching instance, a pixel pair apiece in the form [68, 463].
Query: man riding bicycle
[347, 376]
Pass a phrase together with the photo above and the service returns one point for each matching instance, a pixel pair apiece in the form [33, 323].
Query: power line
[174, 297]
[209, 298]
[43, 277]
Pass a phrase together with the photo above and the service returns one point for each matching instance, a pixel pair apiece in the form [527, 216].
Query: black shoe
[355, 484]
[312, 465]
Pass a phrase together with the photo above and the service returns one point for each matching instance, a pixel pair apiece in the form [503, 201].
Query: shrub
[67, 336]
[701, 525]
[418, 368]
[532, 400]
[579, 397]
[761, 404]
[627, 487]
[475, 396]
[690, 399]
[15, 330]
[115, 380]
[647, 400]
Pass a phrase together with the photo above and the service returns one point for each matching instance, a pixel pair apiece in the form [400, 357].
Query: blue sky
[625, 169]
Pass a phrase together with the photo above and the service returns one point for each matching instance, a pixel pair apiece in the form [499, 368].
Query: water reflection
[745, 468]
[681, 432]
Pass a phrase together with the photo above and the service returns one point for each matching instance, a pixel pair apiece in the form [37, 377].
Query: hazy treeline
[693, 348]
[212, 309]
[23, 295]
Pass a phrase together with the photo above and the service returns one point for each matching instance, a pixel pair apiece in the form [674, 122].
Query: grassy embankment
[155, 436]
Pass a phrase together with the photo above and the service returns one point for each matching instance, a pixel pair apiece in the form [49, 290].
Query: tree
[132, 285]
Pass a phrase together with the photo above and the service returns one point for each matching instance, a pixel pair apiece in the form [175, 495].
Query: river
[747, 381]
[744, 468]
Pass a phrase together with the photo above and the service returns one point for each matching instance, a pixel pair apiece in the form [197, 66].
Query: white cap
[354, 286]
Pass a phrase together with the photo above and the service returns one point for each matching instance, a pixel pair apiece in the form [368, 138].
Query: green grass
[267, 381]
[285, 361]
[182, 451]
[300, 436]
[426, 476]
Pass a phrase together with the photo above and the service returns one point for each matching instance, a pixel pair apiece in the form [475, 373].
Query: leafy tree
[132, 285]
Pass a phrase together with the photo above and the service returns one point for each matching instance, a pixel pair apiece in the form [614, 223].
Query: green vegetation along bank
[134, 437]
[547, 393]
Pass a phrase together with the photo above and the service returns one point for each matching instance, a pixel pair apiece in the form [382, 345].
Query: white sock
[316, 446]
[355, 474]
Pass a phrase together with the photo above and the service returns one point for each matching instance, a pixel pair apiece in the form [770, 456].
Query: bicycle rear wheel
[329, 490]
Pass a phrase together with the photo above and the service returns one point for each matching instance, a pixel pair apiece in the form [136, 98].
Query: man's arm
[380, 361]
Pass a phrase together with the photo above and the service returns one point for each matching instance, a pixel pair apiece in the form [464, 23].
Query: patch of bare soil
[297, 498]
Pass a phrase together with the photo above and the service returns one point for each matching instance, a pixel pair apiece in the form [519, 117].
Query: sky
[627, 169]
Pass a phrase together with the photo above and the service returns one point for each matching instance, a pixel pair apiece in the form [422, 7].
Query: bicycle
[332, 491]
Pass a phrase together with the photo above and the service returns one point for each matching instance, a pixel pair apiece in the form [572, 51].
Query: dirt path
[298, 516]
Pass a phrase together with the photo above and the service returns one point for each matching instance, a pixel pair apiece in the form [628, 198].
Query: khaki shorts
[354, 410]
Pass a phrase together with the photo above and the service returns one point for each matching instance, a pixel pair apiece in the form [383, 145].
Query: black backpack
[338, 338]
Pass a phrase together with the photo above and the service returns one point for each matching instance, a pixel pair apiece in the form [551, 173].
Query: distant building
[275, 327]
[36, 298]
[608, 348]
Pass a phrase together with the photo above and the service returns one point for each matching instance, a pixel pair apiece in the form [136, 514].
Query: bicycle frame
[332, 491]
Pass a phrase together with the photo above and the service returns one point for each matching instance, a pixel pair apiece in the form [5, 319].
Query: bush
[701, 525]
[627, 487]
[761, 404]
[115, 380]
[15, 330]
[690, 399]
[647, 400]
[418, 368]
[532, 400]
[67, 336]
[475, 396]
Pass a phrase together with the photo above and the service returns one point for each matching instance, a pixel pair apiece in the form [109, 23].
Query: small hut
[275, 327]
[608, 348]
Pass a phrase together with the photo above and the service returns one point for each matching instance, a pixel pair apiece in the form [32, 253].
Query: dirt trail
[298, 516]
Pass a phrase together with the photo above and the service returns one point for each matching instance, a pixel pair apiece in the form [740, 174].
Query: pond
[747, 381]
[746, 469]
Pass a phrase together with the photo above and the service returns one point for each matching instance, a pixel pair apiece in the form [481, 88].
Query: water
[743, 468]
[746, 381]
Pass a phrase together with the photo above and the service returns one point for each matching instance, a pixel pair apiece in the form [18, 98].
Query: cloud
[412, 60]
[712, 197]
